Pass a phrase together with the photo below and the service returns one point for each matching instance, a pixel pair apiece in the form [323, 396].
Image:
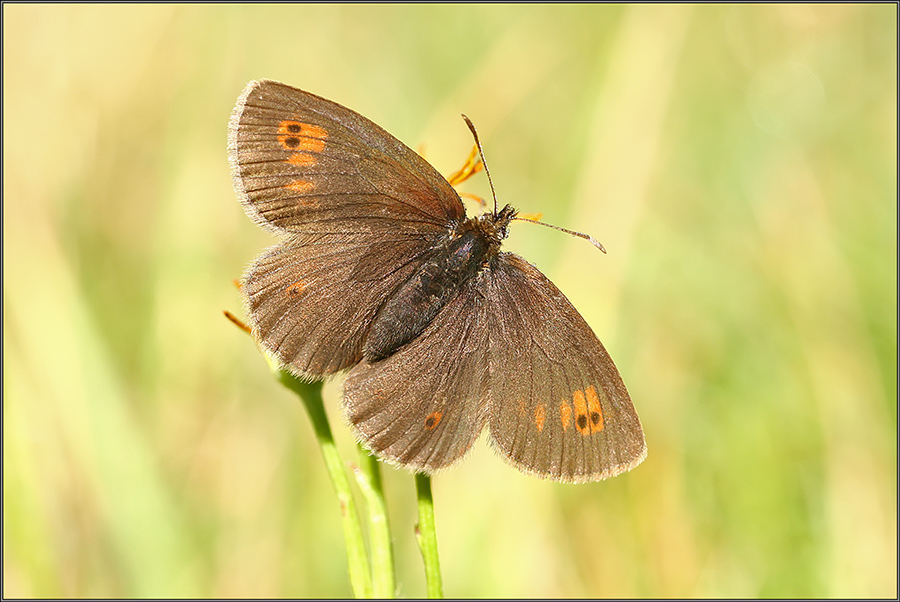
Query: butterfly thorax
[451, 263]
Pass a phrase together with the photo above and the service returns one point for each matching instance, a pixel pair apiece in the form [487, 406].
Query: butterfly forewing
[558, 407]
[302, 163]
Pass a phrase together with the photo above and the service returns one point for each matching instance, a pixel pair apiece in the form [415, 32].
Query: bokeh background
[739, 163]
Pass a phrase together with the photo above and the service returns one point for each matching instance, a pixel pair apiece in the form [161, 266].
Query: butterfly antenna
[587, 237]
[483, 162]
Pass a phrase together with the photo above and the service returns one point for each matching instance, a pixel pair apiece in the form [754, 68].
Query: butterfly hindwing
[312, 298]
[558, 407]
[424, 406]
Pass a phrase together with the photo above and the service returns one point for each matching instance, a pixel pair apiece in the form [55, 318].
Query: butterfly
[379, 272]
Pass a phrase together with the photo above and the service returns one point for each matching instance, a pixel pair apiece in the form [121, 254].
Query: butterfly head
[493, 225]
[501, 220]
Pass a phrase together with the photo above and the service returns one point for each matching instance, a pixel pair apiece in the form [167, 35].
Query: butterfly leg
[237, 321]
[471, 167]
[473, 197]
[234, 319]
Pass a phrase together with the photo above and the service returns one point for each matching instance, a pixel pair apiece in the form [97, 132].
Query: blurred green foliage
[738, 162]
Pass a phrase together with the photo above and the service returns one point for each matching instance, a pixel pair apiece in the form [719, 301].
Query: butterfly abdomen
[415, 303]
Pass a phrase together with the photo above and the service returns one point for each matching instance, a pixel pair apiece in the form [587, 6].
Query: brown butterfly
[380, 271]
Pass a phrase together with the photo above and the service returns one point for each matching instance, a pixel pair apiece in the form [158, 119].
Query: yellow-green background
[738, 162]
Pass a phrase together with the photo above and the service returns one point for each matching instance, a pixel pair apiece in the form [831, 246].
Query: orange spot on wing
[433, 419]
[582, 422]
[302, 159]
[595, 412]
[565, 414]
[299, 136]
[296, 289]
[539, 417]
[298, 128]
[310, 145]
[300, 186]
